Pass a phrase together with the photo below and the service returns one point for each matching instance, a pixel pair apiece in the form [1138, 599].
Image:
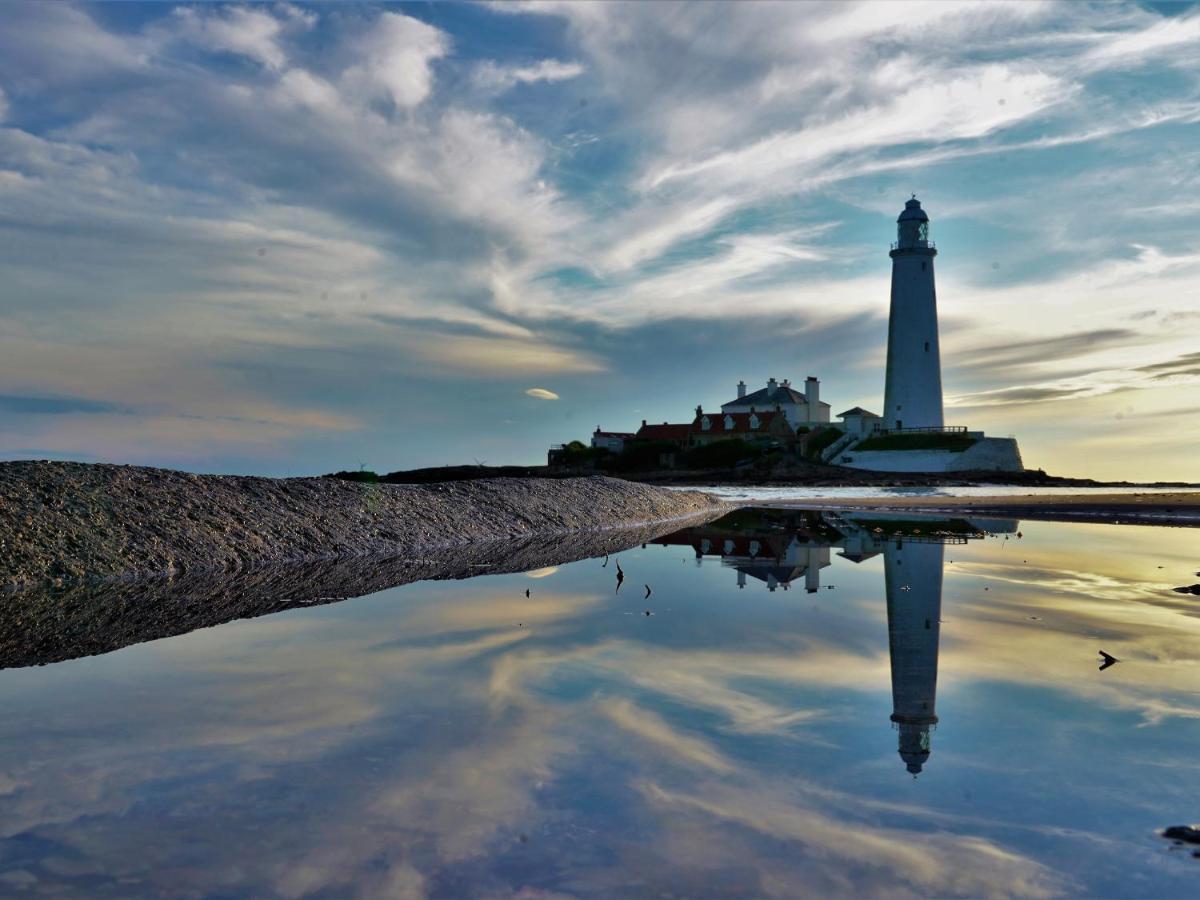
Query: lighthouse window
[924, 263]
[927, 346]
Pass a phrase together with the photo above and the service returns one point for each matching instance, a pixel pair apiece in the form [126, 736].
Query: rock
[1188, 589]
[1189, 834]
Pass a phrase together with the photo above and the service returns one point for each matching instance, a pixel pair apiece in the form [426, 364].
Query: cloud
[1184, 362]
[998, 356]
[492, 76]
[397, 55]
[957, 106]
[56, 406]
[481, 356]
[1141, 46]
[63, 45]
[1022, 395]
[541, 394]
[249, 32]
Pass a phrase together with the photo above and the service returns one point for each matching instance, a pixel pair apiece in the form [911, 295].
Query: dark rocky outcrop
[1188, 834]
[62, 523]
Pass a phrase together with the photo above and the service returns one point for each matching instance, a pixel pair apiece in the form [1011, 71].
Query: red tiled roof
[664, 432]
[741, 422]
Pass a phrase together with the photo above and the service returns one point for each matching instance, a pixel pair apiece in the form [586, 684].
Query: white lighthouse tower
[913, 391]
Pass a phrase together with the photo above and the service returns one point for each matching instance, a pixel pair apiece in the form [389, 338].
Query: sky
[291, 239]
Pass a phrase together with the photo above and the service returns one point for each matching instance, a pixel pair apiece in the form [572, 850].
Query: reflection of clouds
[992, 636]
[884, 860]
[291, 690]
[654, 729]
[401, 749]
[717, 681]
[496, 611]
[1066, 581]
[463, 797]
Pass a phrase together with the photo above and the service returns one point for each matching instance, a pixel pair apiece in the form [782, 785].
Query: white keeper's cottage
[800, 409]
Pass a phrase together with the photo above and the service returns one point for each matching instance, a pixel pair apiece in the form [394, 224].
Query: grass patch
[955, 443]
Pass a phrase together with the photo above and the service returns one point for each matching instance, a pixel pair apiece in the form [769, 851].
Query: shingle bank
[64, 522]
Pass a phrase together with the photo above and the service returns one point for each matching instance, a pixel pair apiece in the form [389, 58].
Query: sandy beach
[1175, 508]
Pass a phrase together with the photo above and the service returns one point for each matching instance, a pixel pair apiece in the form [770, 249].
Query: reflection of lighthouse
[913, 576]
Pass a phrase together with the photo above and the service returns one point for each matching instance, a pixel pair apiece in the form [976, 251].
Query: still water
[814, 707]
[753, 492]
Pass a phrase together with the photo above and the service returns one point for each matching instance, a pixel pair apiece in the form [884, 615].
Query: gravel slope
[63, 522]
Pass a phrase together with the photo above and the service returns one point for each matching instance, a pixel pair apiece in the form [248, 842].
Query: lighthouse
[913, 390]
[912, 573]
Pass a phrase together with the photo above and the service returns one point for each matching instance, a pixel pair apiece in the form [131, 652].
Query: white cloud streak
[494, 77]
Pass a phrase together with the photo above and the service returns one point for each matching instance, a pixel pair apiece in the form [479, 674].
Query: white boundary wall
[986, 454]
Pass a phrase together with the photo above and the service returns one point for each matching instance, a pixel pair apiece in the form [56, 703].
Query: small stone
[1189, 834]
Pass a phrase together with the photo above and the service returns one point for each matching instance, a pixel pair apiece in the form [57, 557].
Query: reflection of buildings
[778, 550]
[782, 547]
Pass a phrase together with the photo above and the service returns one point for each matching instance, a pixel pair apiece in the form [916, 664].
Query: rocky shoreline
[64, 523]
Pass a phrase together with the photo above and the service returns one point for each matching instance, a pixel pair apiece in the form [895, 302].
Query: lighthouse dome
[912, 210]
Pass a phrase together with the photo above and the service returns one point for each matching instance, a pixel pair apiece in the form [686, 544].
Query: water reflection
[913, 575]
[782, 547]
[458, 738]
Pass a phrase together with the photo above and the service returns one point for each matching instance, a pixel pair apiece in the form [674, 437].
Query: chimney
[741, 389]
[812, 396]
[787, 382]
[643, 423]
[772, 384]
[699, 410]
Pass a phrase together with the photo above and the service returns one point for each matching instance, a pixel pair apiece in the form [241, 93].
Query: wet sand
[1176, 508]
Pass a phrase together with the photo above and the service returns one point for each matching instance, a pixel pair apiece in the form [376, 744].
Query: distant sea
[776, 492]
